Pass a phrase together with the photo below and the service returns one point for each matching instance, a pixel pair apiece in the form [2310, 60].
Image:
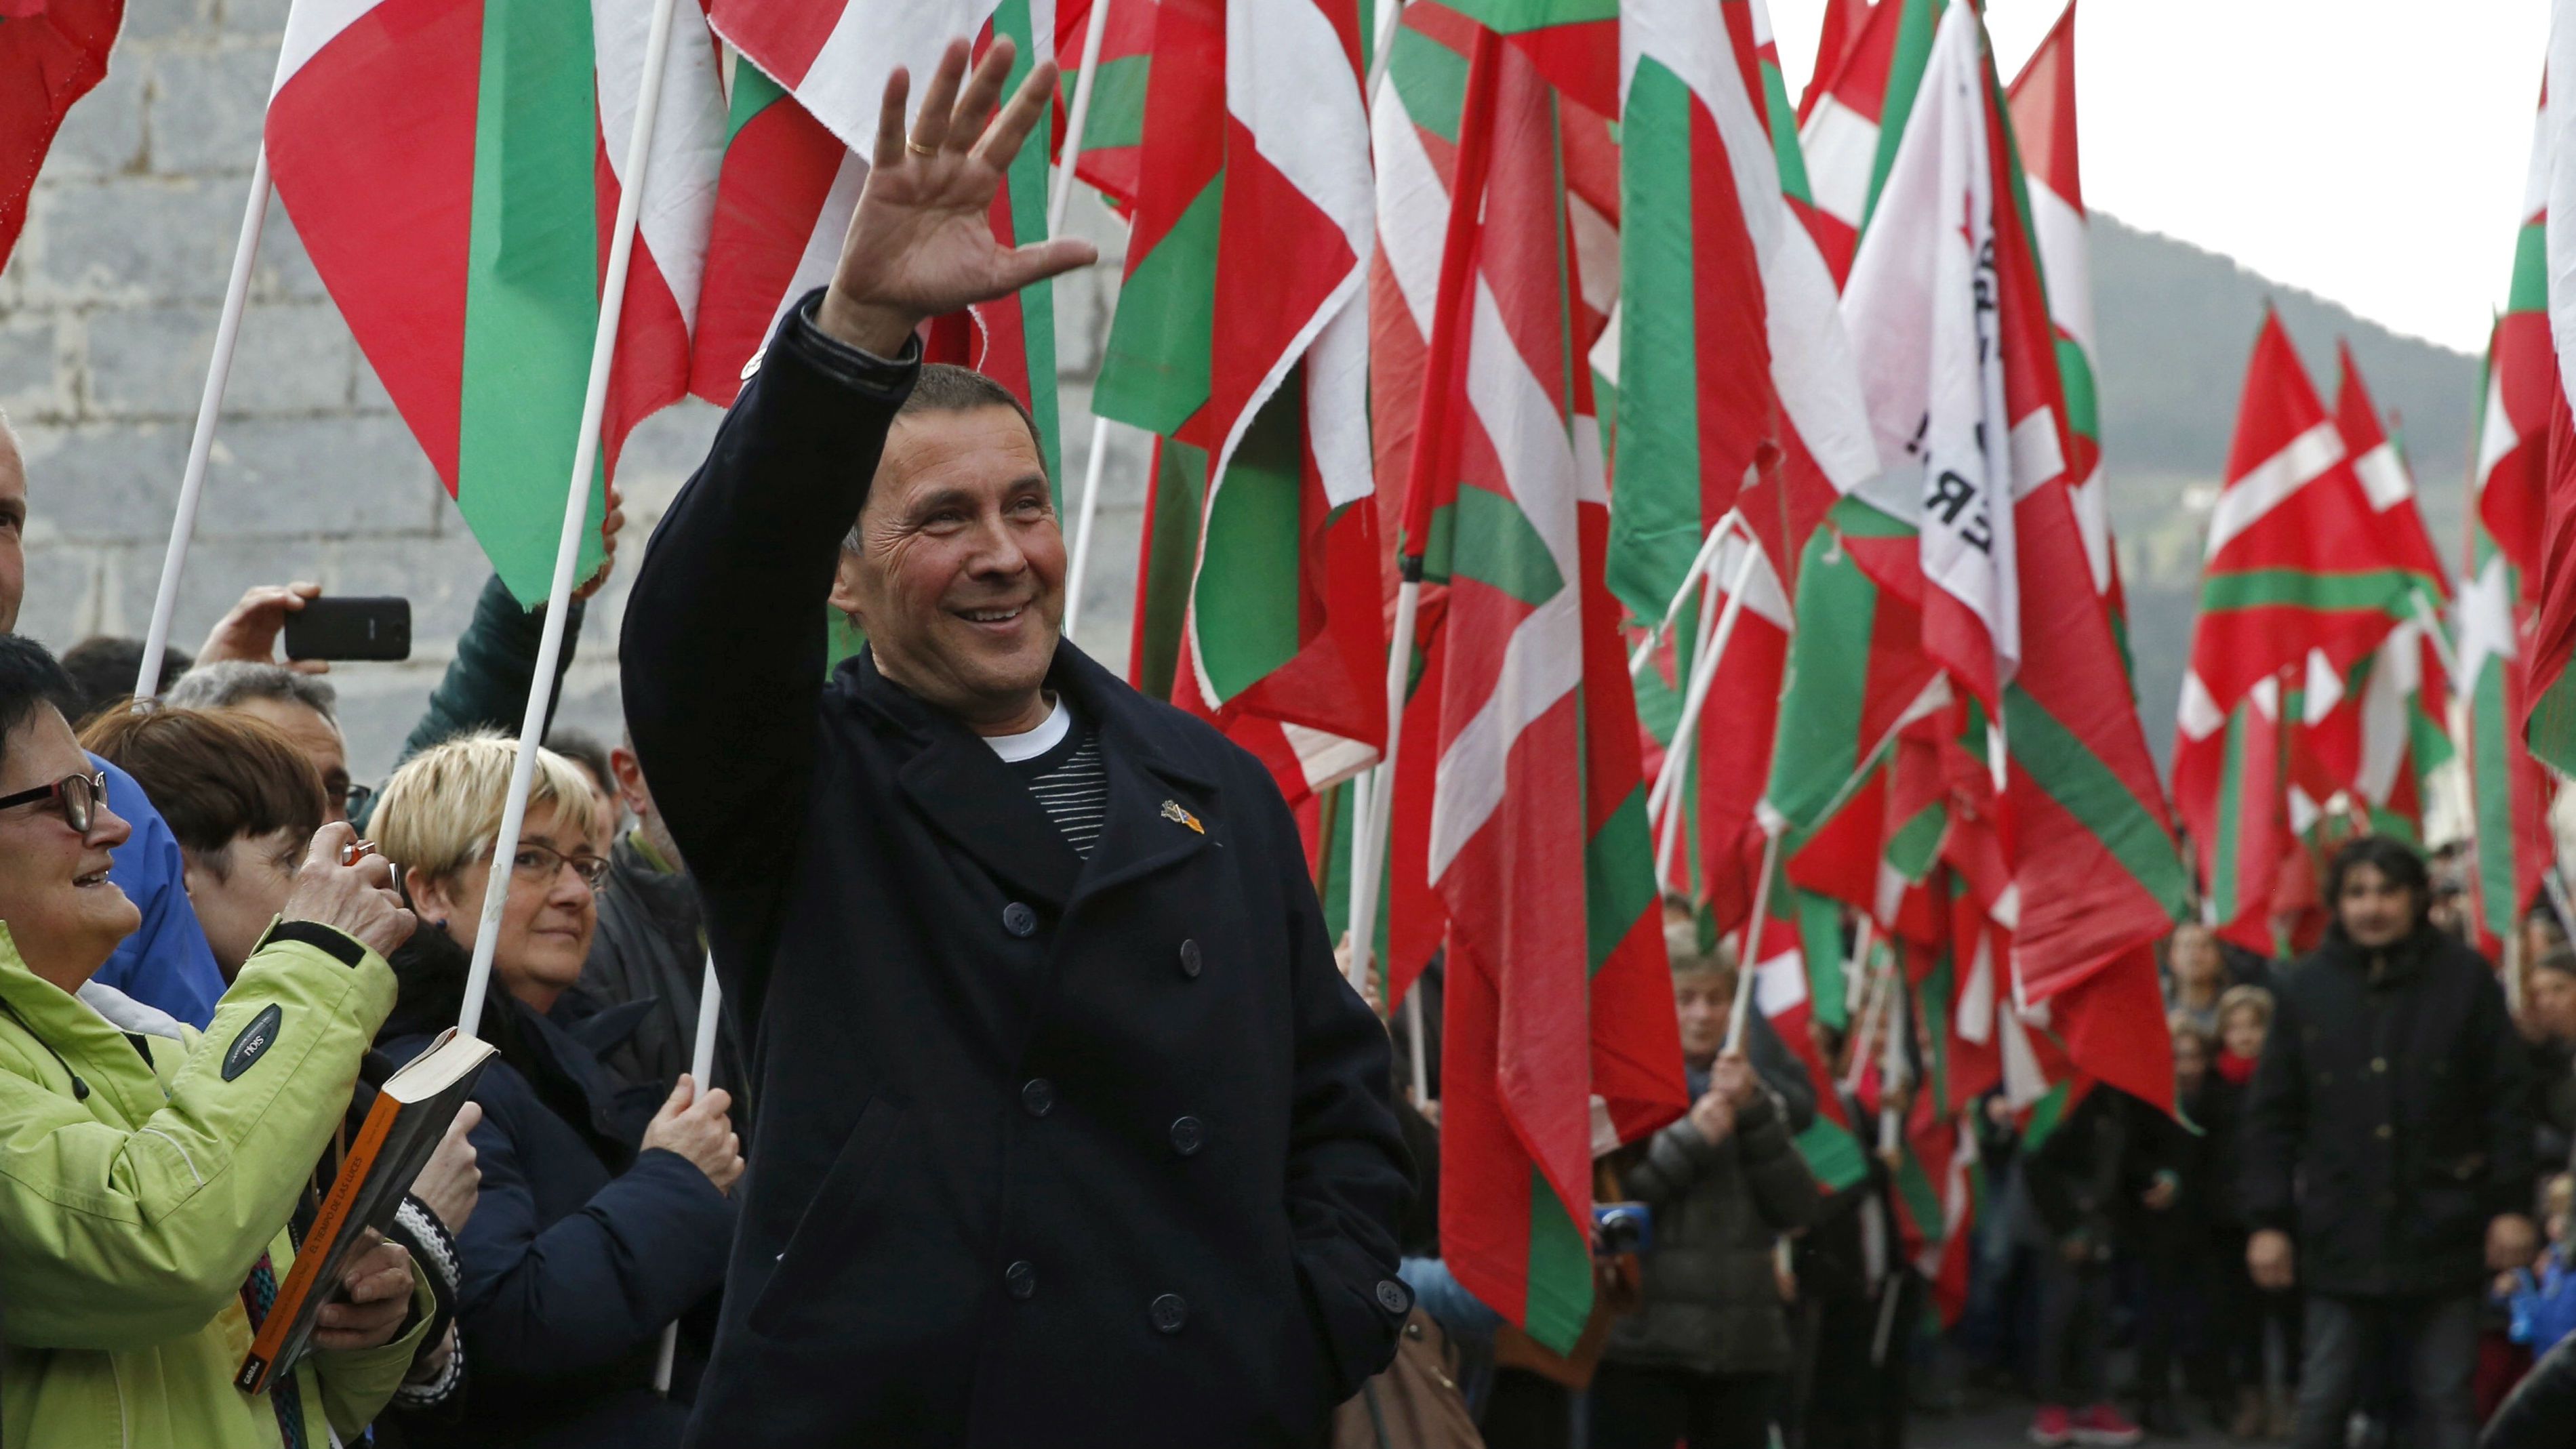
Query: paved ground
[2001, 1424]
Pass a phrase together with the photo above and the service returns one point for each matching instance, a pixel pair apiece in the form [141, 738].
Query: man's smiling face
[958, 576]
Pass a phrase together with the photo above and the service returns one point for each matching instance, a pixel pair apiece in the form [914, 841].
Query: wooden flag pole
[702, 1069]
[576, 516]
[192, 482]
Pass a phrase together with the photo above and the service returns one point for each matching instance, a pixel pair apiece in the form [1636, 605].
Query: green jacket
[134, 1205]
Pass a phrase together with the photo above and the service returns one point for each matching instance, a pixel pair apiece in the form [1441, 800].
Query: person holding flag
[1072, 1133]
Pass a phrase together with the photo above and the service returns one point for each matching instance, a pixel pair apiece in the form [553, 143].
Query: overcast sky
[2370, 151]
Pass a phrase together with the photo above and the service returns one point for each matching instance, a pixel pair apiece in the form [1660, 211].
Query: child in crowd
[2543, 1296]
[2244, 1016]
[2247, 1312]
[2178, 1249]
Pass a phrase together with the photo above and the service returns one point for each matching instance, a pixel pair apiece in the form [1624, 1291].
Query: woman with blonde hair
[605, 1214]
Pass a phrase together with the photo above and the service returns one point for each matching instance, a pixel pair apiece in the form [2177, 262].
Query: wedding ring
[918, 149]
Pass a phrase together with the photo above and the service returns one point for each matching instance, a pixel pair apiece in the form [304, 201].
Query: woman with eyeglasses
[604, 1213]
[148, 1171]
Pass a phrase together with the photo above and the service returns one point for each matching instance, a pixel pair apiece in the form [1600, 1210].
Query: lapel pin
[1173, 812]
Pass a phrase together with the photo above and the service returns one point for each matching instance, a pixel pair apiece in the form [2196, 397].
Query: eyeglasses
[536, 862]
[77, 796]
[353, 802]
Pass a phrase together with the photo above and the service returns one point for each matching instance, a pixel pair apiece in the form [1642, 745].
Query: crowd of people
[1043, 1113]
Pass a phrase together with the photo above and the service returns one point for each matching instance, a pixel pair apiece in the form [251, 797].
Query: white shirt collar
[1029, 744]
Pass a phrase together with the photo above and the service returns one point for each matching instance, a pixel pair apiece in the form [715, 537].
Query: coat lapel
[965, 791]
[1161, 812]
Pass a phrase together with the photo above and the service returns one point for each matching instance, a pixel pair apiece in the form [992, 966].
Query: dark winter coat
[2086, 1177]
[1712, 1301]
[581, 1248]
[651, 947]
[1051, 1151]
[2386, 1121]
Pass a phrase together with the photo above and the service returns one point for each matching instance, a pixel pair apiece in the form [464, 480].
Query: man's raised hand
[920, 243]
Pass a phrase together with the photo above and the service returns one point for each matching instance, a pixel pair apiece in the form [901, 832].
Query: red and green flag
[2394, 715]
[51, 53]
[1737, 390]
[452, 167]
[793, 169]
[1535, 840]
[2312, 562]
[2550, 721]
[2509, 791]
[1241, 342]
[1974, 514]
[1842, 24]
[1109, 154]
[1849, 131]
[2042, 98]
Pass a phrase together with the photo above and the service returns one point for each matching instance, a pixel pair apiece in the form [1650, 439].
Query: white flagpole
[576, 518]
[1077, 114]
[1368, 853]
[702, 1067]
[1388, 17]
[1421, 1053]
[1669, 827]
[1703, 676]
[1749, 959]
[1083, 520]
[192, 482]
[1700, 564]
[1856, 976]
[1858, 1052]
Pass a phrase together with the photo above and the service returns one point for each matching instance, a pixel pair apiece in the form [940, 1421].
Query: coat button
[1393, 1296]
[1022, 1279]
[1190, 959]
[2385, 1131]
[1019, 920]
[1169, 1312]
[1038, 1095]
[1189, 1134]
[2379, 1064]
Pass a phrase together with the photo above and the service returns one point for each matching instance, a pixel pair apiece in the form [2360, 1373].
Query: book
[411, 1113]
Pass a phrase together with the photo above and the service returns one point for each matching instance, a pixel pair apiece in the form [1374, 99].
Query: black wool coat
[581, 1248]
[1051, 1151]
[2386, 1122]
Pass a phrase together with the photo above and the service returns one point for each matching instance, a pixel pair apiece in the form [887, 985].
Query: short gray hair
[229, 682]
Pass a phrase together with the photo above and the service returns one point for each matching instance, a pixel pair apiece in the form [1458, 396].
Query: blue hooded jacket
[166, 962]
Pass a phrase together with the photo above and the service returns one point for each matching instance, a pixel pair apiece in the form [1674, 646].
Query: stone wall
[107, 321]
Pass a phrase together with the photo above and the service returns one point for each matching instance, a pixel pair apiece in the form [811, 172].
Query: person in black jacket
[603, 1214]
[1070, 1132]
[2386, 1124]
[1707, 1356]
[2081, 1190]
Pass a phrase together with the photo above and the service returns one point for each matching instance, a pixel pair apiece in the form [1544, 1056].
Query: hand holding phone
[349, 628]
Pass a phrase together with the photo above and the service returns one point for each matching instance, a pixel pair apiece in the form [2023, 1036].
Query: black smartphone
[333, 628]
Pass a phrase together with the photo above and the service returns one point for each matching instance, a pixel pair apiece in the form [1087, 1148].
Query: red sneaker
[2052, 1427]
[2103, 1424]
